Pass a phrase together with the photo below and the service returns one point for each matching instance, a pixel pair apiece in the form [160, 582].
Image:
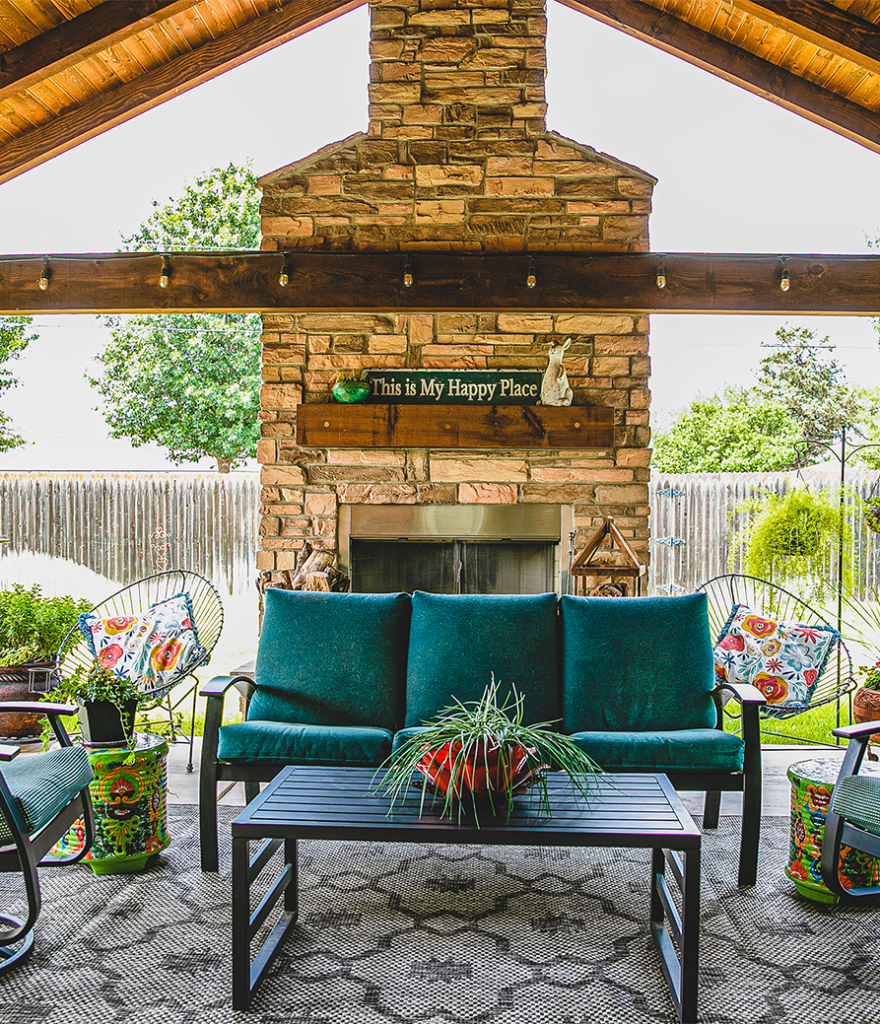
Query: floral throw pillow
[784, 660]
[155, 649]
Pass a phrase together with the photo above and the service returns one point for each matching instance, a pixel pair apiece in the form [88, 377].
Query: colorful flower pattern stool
[130, 802]
[812, 783]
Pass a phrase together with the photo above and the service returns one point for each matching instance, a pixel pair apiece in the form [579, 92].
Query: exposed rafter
[702, 49]
[293, 18]
[443, 282]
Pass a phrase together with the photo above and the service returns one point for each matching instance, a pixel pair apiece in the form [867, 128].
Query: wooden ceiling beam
[737, 66]
[262, 33]
[81, 37]
[822, 24]
[443, 282]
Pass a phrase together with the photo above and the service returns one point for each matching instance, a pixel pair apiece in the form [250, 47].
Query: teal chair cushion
[332, 659]
[636, 664]
[672, 750]
[288, 743]
[43, 784]
[457, 641]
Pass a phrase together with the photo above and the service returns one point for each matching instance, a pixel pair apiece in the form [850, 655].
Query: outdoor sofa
[342, 679]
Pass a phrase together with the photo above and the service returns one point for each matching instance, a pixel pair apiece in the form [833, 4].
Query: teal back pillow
[332, 659]
[458, 640]
[636, 663]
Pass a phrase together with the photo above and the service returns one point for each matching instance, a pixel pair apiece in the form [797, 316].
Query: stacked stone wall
[456, 157]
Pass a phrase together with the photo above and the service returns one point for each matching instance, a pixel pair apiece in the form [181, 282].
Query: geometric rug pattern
[420, 934]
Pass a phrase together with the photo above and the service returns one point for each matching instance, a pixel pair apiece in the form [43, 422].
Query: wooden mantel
[443, 282]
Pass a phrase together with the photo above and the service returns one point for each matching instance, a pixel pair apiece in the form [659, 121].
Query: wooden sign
[455, 387]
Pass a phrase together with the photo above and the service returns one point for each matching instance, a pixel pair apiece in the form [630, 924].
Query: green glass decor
[351, 390]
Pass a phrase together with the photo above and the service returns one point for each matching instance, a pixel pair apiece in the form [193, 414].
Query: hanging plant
[871, 514]
[791, 537]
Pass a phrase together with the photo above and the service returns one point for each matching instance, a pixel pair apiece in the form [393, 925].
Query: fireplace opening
[454, 549]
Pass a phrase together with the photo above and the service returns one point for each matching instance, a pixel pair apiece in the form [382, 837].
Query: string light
[407, 275]
[531, 278]
[661, 274]
[284, 276]
[44, 276]
[165, 274]
[785, 279]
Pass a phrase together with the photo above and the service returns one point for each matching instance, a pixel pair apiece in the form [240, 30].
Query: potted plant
[791, 536]
[32, 628]
[480, 756]
[866, 699]
[107, 704]
[351, 386]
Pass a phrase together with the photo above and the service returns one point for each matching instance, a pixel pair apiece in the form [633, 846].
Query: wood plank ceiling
[71, 69]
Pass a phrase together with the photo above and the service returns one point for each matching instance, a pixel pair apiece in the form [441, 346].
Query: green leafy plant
[32, 626]
[481, 754]
[95, 684]
[870, 675]
[791, 536]
[350, 376]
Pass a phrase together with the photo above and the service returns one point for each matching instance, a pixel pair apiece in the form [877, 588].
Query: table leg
[680, 965]
[690, 938]
[241, 912]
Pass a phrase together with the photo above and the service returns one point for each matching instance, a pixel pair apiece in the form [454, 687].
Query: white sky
[736, 174]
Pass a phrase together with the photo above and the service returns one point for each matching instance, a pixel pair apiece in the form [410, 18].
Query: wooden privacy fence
[128, 525]
[691, 522]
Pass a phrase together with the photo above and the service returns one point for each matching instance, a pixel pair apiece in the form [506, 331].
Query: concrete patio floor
[183, 786]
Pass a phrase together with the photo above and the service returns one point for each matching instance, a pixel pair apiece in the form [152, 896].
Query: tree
[813, 388]
[14, 339]
[733, 433]
[189, 382]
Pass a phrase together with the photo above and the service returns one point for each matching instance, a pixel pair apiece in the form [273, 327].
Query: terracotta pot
[866, 708]
[494, 770]
[14, 686]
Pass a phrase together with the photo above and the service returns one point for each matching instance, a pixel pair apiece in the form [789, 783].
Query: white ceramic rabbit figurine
[554, 386]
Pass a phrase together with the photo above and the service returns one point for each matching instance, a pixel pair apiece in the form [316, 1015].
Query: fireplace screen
[453, 567]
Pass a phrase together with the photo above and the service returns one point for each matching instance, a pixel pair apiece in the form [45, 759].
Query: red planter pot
[488, 771]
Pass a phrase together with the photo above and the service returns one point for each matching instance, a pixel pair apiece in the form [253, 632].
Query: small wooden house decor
[613, 572]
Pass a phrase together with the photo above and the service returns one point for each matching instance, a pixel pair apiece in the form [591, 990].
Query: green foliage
[870, 676]
[14, 339]
[809, 384]
[189, 382]
[790, 537]
[32, 626]
[474, 731]
[735, 433]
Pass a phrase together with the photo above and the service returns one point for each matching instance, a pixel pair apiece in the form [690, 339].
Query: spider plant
[481, 755]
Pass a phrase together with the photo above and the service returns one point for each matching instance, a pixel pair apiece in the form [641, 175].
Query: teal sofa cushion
[636, 664]
[672, 750]
[457, 641]
[42, 784]
[289, 743]
[332, 659]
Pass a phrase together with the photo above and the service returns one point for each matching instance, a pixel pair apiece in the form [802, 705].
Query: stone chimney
[456, 158]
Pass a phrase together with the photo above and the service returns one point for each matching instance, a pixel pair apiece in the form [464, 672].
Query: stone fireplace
[456, 158]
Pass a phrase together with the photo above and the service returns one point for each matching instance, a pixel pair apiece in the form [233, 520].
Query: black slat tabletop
[624, 810]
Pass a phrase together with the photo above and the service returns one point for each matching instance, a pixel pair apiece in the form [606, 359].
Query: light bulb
[407, 276]
[661, 277]
[44, 276]
[531, 277]
[785, 281]
[165, 274]
[284, 276]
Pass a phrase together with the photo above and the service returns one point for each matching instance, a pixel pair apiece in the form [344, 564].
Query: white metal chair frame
[134, 599]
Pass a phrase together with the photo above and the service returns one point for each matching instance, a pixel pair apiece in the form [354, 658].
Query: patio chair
[132, 602]
[853, 818]
[42, 796]
[834, 683]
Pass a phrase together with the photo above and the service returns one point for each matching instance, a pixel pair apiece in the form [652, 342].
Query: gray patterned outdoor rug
[393, 934]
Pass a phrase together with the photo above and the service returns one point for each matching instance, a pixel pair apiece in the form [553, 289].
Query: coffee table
[642, 811]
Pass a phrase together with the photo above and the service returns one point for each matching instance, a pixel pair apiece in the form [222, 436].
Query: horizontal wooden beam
[442, 282]
[454, 426]
[738, 66]
[290, 19]
[822, 24]
[79, 38]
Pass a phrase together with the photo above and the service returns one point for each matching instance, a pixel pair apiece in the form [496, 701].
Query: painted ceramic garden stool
[129, 794]
[812, 783]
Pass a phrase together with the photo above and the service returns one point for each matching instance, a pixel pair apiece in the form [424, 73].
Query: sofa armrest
[218, 686]
[745, 693]
[8, 751]
[52, 711]
[857, 731]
